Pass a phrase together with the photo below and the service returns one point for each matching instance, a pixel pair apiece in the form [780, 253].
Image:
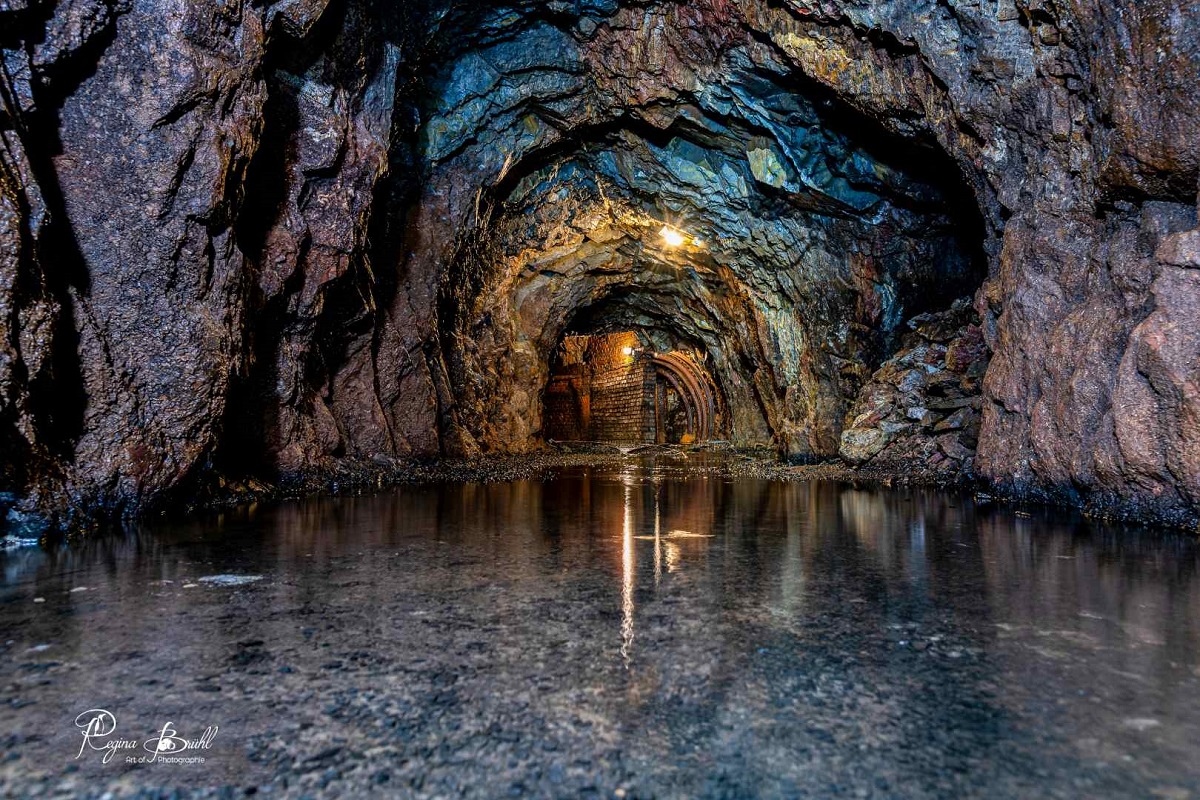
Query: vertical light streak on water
[627, 577]
[658, 552]
[918, 565]
[792, 582]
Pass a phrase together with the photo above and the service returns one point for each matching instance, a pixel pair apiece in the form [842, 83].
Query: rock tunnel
[756, 217]
[347, 233]
[560, 398]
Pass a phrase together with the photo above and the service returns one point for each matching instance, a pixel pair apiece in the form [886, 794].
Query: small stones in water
[1141, 724]
[1171, 793]
[229, 580]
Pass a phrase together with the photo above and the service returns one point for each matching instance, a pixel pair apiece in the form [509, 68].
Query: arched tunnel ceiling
[557, 152]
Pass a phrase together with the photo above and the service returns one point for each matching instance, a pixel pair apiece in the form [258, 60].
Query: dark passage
[649, 628]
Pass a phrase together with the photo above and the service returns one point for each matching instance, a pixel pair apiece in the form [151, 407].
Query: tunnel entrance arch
[615, 388]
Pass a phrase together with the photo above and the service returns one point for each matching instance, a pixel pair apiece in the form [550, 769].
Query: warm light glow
[627, 351]
[674, 556]
[627, 576]
[672, 237]
[658, 554]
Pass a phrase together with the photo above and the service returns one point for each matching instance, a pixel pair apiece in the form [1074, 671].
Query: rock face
[920, 411]
[258, 239]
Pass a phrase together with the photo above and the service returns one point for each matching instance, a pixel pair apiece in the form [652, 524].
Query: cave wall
[271, 237]
[1081, 120]
[186, 185]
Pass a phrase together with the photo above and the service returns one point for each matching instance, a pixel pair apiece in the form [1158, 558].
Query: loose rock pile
[921, 410]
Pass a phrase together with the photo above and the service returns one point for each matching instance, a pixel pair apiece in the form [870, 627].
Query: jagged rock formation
[921, 410]
[261, 239]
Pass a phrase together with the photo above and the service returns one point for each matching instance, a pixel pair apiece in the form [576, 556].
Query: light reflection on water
[793, 543]
[666, 585]
[628, 576]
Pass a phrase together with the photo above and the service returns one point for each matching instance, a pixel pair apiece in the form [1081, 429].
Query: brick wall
[564, 407]
[618, 390]
[599, 392]
[567, 402]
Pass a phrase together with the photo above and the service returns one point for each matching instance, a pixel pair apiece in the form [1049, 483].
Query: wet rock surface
[642, 629]
[254, 242]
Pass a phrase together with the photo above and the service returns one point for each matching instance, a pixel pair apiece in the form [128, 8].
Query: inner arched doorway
[614, 388]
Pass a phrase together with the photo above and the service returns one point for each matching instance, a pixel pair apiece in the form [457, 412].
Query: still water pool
[645, 629]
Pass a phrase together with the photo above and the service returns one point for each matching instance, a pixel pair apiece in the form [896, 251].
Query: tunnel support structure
[694, 387]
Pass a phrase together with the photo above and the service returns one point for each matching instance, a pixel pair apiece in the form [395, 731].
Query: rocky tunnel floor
[647, 626]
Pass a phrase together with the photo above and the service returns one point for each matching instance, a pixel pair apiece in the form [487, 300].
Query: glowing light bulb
[627, 351]
[672, 237]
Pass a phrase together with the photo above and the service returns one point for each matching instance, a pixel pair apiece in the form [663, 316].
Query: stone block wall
[622, 395]
[565, 409]
[606, 388]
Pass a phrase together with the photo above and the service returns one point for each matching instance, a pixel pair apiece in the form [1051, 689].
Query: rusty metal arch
[695, 386]
[689, 400]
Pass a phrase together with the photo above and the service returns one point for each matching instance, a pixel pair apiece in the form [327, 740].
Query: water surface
[646, 630]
